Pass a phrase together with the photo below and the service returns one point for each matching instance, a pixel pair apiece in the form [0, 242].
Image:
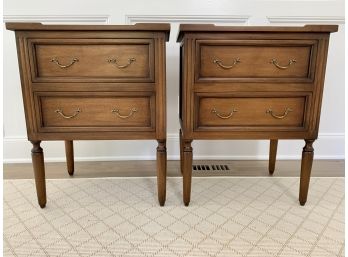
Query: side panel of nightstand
[319, 80]
[160, 78]
[186, 86]
[24, 71]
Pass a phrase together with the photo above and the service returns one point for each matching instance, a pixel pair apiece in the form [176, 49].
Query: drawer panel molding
[88, 60]
[255, 60]
[263, 112]
[98, 111]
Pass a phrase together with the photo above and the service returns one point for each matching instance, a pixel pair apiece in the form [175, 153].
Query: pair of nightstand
[108, 82]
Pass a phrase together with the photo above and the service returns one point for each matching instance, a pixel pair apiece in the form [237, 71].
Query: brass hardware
[117, 111]
[226, 67]
[221, 116]
[275, 62]
[55, 60]
[114, 61]
[287, 110]
[59, 111]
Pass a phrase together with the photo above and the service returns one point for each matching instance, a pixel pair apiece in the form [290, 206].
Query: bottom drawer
[261, 111]
[82, 112]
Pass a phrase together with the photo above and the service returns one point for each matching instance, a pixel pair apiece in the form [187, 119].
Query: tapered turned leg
[306, 167]
[272, 155]
[187, 171]
[161, 171]
[39, 172]
[69, 152]
[181, 151]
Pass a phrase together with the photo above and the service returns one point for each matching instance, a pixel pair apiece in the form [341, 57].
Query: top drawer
[277, 60]
[114, 60]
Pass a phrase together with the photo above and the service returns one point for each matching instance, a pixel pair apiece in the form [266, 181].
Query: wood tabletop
[184, 28]
[161, 27]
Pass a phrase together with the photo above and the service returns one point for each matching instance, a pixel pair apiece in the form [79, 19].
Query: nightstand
[251, 83]
[93, 82]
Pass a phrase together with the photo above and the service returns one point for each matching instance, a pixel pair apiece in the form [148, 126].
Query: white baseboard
[328, 146]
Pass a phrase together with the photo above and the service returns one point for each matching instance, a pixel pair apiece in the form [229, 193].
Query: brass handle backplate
[59, 111]
[114, 61]
[222, 116]
[287, 110]
[275, 63]
[55, 60]
[132, 111]
[226, 67]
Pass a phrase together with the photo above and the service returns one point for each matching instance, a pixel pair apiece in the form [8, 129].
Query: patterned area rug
[226, 217]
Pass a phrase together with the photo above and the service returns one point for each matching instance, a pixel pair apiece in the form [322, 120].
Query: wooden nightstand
[93, 82]
[251, 83]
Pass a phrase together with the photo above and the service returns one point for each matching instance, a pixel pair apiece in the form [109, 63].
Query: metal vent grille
[213, 167]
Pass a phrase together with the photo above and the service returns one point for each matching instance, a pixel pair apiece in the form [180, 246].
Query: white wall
[330, 144]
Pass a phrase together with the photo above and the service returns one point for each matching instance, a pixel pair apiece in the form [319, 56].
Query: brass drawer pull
[221, 116]
[287, 110]
[117, 111]
[275, 63]
[59, 111]
[226, 67]
[114, 61]
[55, 60]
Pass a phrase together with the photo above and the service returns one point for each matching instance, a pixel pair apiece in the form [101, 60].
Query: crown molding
[131, 19]
[96, 19]
[307, 19]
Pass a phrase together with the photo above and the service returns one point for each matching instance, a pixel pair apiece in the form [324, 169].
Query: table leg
[306, 167]
[69, 152]
[187, 171]
[161, 171]
[181, 151]
[39, 172]
[272, 155]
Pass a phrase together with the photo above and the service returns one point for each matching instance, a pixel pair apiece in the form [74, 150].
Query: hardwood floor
[321, 168]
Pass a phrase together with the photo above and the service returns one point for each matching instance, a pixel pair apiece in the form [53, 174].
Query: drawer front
[86, 60]
[252, 112]
[254, 60]
[83, 112]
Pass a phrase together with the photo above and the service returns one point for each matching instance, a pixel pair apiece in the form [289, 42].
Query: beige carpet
[227, 217]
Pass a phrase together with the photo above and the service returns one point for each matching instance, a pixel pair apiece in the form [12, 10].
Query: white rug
[227, 217]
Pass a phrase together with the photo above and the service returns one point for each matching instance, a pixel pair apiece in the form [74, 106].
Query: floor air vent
[212, 167]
